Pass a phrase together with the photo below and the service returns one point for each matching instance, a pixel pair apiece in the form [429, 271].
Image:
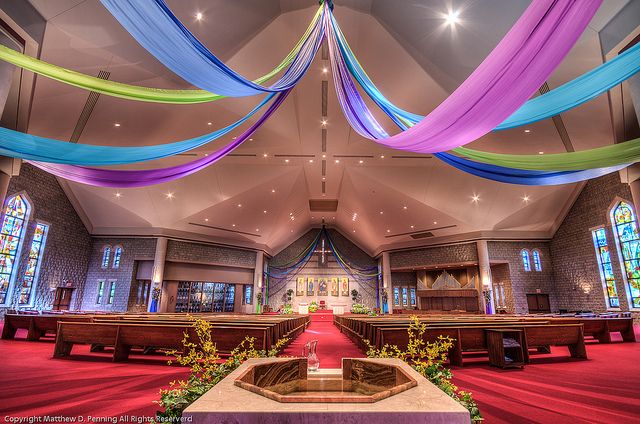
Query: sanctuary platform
[423, 402]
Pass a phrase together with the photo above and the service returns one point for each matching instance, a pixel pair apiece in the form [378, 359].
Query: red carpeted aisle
[332, 345]
[553, 389]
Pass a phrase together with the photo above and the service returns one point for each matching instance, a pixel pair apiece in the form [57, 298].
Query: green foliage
[427, 358]
[313, 306]
[287, 309]
[207, 368]
[358, 308]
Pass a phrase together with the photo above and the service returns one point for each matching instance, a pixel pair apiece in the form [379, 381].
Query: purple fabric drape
[505, 80]
[139, 178]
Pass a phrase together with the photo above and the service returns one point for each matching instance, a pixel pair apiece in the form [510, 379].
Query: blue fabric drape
[160, 32]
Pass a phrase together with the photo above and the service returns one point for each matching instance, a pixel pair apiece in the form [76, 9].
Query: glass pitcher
[309, 351]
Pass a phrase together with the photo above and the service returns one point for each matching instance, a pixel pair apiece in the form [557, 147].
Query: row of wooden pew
[151, 331]
[470, 331]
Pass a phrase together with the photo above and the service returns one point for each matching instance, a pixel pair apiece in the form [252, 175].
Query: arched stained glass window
[537, 265]
[30, 277]
[14, 220]
[626, 229]
[606, 269]
[106, 254]
[117, 253]
[526, 261]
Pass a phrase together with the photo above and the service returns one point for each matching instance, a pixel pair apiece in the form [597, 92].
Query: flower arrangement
[427, 358]
[358, 308]
[155, 294]
[207, 369]
[313, 306]
[287, 309]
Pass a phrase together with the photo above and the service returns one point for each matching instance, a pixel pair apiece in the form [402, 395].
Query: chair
[322, 304]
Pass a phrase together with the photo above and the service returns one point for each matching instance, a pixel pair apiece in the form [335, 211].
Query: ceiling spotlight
[324, 178]
[208, 123]
[527, 131]
[360, 161]
[118, 194]
[199, 16]
[257, 229]
[435, 222]
[324, 156]
[354, 217]
[325, 70]
[413, 226]
[475, 198]
[381, 212]
[354, 230]
[525, 199]
[206, 220]
[117, 124]
[233, 225]
[286, 160]
[381, 156]
[292, 231]
[404, 207]
[324, 122]
[251, 139]
[264, 211]
[310, 160]
[239, 205]
[453, 18]
[388, 231]
[273, 190]
[333, 217]
[337, 160]
[169, 195]
[541, 153]
[264, 155]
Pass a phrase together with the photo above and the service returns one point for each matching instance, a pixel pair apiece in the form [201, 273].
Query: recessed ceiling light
[169, 195]
[381, 156]
[388, 231]
[206, 220]
[541, 153]
[324, 178]
[475, 198]
[264, 155]
[337, 160]
[208, 123]
[239, 205]
[527, 131]
[324, 156]
[251, 139]
[453, 17]
[313, 217]
[117, 124]
[354, 230]
[525, 198]
[199, 16]
[206, 154]
[234, 138]
[257, 229]
[310, 160]
[233, 225]
[381, 212]
[360, 161]
[404, 207]
[413, 226]
[264, 211]
[325, 70]
[324, 122]
[273, 190]
[435, 222]
[292, 231]
[286, 160]
[118, 194]
[333, 217]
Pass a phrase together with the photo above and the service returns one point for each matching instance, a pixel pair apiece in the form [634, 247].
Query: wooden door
[62, 299]
[538, 303]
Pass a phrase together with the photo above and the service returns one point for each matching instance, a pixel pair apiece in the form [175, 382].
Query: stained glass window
[106, 254]
[14, 221]
[112, 293]
[100, 292]
[396, 296]
[248, 294]
[606, 270]
[117, 253]
[626, 227]
[537, 265]
[526, 262]
[412, 292]
[29, 279]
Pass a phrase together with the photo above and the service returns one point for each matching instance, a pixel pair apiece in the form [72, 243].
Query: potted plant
[259, 303]
[354, 295]
[313, 306]
[289, 295]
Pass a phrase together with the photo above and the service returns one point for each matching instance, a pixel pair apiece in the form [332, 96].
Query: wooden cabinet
[449, 300]
[62, 299]
[507, 348]
[538, 303]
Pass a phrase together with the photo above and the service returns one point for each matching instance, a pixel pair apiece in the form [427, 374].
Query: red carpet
[553, 389]
[332, 345]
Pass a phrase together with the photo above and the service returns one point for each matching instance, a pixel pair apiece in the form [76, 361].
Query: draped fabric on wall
[158, 30]
[494, 97]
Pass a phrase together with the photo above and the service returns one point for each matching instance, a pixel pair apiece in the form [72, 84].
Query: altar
[303, 308]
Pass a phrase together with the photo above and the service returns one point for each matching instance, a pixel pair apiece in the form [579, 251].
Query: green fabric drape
[134, 92]
[600, 157]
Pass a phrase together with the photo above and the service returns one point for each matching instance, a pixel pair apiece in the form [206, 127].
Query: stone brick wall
[134, 249]
[404, 278]
[576, 273]
[66, 252]
[523, 282]
[451, 254]
[314, 269]
[180, 251]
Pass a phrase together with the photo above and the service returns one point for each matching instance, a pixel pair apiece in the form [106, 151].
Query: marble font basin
[360, 382]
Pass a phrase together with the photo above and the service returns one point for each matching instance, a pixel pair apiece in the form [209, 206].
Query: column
[485, 275]
[258, 281]
[8, 166]
[386, 280]
[157, 277]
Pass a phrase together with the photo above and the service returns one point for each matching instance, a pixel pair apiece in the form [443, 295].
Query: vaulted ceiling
[260, 195]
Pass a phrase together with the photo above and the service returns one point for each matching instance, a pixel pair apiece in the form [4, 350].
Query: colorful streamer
[161, 33]
[140, 178]
[133, 92]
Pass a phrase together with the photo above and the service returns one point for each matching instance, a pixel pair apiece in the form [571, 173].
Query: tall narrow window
[412, 292]
[396, 296]
[117, 253]
[30, 277]
[100, 292]
[112, 293]
[526, 262]
[626, 229]
[248, 294]
[537, 265]
[14, 220]
[603, 256]
[106, 254]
